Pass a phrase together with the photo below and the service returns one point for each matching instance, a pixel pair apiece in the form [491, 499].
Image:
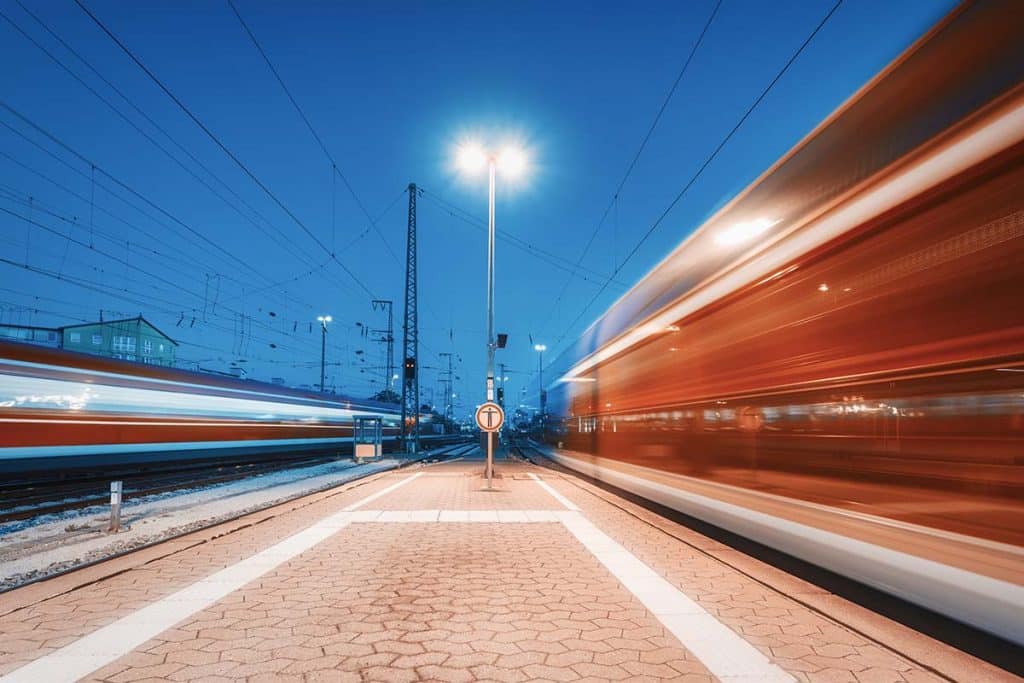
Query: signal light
[410, 368]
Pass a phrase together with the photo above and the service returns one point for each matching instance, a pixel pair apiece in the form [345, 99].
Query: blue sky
[390, 87]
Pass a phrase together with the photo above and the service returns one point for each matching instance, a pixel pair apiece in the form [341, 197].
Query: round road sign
[490, 417]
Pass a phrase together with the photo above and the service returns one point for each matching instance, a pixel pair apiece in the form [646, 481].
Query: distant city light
[743, 232]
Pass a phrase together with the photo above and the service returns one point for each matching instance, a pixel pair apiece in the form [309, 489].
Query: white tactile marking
[723, 651]
[726, 655]
[568, 504]
[103, 646]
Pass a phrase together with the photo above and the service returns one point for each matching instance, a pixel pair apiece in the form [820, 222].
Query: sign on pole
[490, 417]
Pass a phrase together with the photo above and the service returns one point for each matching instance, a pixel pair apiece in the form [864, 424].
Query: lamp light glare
[471, 157]
[512, 161]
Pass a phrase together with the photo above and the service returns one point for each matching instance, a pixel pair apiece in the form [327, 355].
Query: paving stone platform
[421, 574]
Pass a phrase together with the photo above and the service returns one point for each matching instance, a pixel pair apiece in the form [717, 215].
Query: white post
[490, 458]
[115, 506]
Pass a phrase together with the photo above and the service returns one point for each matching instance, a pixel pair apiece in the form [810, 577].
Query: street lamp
[323, 320]
[471, 158]
[541, 348]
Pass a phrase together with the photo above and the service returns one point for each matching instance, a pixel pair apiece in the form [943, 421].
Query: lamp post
[472, 158]
[541, 348]
[323, 320]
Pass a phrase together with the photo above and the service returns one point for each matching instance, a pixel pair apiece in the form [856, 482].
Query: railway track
[22, 501]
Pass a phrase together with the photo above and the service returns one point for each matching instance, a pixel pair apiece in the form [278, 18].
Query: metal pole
[490, 458]
[490, 312]
[540, 397]
[323, 352]
[490, 283]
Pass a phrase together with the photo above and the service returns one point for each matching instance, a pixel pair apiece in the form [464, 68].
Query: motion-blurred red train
[833, 364]
[61, 410]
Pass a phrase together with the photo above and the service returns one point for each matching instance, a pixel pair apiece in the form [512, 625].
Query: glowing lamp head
[540, 347]
[471, 157]
[512, 161]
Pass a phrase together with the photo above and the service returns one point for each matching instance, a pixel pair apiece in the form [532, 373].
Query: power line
[195, 119]
[96, 167]
[541, 254]
[121, 184]
[632, 164]
[175, 287]
[707, 162]
[279, 238]
[335, 169]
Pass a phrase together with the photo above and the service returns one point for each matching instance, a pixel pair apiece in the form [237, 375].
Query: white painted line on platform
[483, 516]
[103, 646]
[382, 492]
[724, 652]
[569, 505]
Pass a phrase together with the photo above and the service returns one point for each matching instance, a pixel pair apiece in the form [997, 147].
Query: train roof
[33, 353]
[968, 60]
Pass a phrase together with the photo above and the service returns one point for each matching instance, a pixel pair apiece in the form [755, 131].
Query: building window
[97, 339]
[147, 347]
[161, 348]
[76, 337]
[124, 344]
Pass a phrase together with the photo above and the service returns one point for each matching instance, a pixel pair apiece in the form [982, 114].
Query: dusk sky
[390, 88]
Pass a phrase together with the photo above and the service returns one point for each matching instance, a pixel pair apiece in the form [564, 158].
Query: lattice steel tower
[410, 339]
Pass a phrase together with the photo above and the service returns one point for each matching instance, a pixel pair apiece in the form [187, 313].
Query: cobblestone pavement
[403, 596]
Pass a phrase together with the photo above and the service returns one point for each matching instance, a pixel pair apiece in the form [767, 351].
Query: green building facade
[134, 339]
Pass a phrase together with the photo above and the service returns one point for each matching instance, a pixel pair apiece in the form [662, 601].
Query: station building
[134, 339]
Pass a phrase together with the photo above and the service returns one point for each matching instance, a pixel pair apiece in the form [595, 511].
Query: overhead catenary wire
[335, 168]
[127, 264]
[219, 143]
[94, 167]
[632, 164]
[278, 236]
[538, 253]
[707, 162]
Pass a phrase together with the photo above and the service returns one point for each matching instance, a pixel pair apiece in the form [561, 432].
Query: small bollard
[115, 507]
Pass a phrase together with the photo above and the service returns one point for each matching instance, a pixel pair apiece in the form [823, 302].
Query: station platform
[423, 574]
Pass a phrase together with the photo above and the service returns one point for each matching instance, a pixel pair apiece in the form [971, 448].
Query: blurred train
[833, 363]
[61, 410]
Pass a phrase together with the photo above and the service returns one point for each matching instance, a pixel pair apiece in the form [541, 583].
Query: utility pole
[388, 337]
[501, 385]
[323, 320]
[410, 339]
[449, 375]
